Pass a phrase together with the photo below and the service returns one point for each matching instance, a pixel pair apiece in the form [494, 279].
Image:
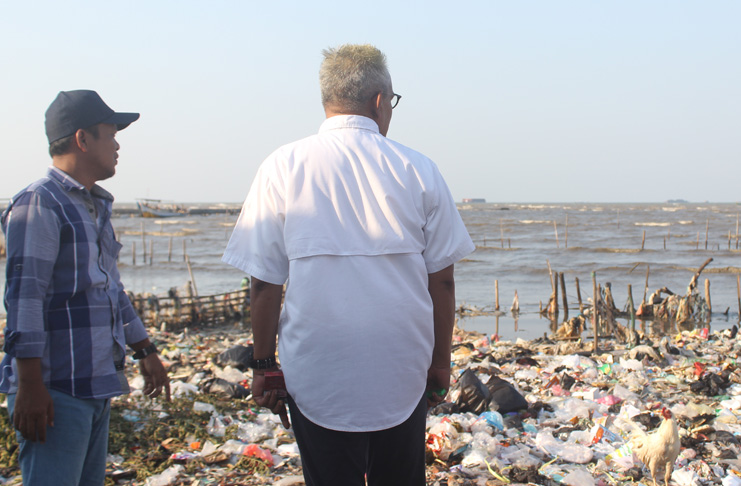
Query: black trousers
[391, 457]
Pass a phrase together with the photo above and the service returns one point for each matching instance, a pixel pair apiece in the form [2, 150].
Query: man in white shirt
[365, 232]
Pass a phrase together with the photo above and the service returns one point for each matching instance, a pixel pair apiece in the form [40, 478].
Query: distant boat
[156, 208]
[474, 200]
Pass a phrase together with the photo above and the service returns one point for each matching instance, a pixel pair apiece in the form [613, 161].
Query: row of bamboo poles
[174, 312]
[668, 236]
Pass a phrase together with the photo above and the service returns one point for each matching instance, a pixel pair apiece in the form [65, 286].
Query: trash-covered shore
[536, 412]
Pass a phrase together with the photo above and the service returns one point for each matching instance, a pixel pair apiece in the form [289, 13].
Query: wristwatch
[144, 352]
[263, 364]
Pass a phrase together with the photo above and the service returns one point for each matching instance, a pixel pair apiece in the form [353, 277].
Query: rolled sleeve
[134, 330]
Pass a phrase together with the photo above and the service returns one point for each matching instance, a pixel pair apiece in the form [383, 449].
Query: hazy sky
[543, 101]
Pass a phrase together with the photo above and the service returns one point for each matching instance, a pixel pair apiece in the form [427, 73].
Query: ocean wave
[652, 224]
[722, 270]
[535, 221]
[618, 250]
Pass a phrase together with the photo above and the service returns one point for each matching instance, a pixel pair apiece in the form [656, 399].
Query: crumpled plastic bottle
[578, 477]
[203, 407]
[216, 426]
[166, 477]
[575, 453]
[251, 432]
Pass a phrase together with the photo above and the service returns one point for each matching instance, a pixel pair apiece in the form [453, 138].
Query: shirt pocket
[109, 247]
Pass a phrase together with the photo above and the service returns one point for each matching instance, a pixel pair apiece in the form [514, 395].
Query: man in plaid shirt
[69, 318]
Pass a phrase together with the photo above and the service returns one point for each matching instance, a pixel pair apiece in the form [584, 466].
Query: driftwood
[680, 309]
[662, 305]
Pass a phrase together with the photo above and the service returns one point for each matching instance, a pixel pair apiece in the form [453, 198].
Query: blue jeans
[76, 448]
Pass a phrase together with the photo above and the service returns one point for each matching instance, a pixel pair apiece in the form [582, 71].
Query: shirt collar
[349, 121]
[69, 184]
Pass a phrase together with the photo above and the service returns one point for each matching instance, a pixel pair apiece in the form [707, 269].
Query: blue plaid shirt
[63, 292]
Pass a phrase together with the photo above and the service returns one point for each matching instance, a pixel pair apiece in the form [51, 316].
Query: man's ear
[81, 140]
[375, 105]
[378, 100]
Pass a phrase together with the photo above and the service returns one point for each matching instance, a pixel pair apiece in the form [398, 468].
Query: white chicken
[659, 449]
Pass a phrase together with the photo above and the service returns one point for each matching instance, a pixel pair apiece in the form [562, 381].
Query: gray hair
[352, 74]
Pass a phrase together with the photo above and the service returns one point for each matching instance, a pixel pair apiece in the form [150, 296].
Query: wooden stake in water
[578, 296]
[501, 232]
[566, 242]
[645, 289]
[151, 252]
[169, 250]
[595, 311]
[707, 228]
[496, 295]
[555, 228]
[192, 280]
[554, 301]
[707, 297]
[185, 254]
[631, 308]
[144, 244]
[133, 253]
[643, 241]
[563, 296]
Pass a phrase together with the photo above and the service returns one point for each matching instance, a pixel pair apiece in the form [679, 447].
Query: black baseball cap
[73, 110]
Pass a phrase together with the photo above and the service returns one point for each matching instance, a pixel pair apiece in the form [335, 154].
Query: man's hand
[438, 383]
[33, 411]
[269, 399]
[155, 377]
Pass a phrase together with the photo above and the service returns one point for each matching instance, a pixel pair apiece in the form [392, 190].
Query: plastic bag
[474, 395]
[237, 357]
[507, 398]
[231, 390]
[575, 453]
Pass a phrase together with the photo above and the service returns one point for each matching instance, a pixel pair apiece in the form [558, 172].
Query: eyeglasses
[395, 100]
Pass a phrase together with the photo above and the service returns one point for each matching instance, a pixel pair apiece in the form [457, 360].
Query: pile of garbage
[536, 412]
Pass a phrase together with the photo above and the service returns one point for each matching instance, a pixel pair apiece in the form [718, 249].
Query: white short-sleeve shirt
[354, 222]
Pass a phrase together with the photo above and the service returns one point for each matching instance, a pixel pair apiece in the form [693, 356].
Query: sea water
[515, 244]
